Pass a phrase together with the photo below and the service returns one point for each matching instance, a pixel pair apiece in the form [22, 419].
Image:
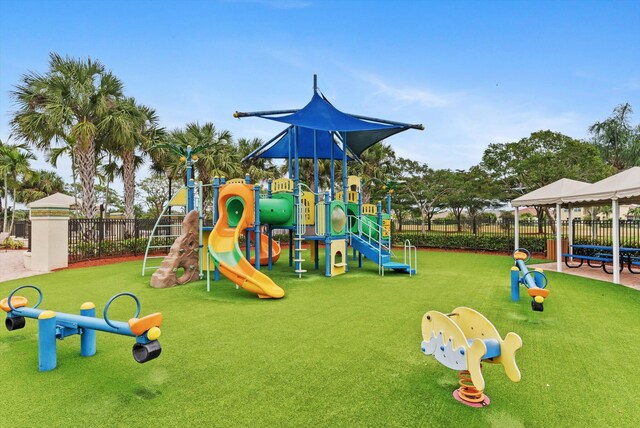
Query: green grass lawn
[341, 351]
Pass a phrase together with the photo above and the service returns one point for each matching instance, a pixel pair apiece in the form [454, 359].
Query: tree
[129, 130]
[154, 192]
[259, 169]
[14, 167]
[39, 184]
[540, 159]
[378, 165]
[69, 104]
[617, 139]
[425, 186]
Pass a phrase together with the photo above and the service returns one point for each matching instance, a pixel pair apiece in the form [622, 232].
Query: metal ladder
[158, 238]
[298, 238]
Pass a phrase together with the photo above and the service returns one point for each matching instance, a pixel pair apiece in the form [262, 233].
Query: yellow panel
[338, 266]
[321, 219]
[180, 198]
[282, 185]
[369, 209]
[237, 180]
[310, 208]
[352, 197]
[386, 228]
[354, 183]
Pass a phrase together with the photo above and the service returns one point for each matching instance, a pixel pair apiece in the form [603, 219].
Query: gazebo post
[615, 211]
[570, 227]
[516, 225]
[558, 237]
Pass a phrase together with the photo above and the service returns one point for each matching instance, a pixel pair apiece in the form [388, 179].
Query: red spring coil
[467, 390]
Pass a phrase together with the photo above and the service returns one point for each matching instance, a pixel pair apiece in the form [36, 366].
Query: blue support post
[190, 184]
[327, 235]
[290, 247]
[360, 219]
[257, 225]
[515, 284]
[316, 247]
[290, 172]
[270, 236]
[333, 172]
[345, 192]
[47, 359]
[379, 206]
[315, 168]
[88, 336]
[247, 240]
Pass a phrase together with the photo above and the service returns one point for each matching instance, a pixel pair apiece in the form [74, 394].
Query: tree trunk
[6, 202]
[129, 178]
[86, 156]
[13, 210]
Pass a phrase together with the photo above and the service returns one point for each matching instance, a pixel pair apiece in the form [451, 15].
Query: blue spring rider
[535, 281]
[58, 325]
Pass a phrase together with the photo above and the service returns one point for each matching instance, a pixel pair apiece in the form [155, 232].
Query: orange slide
[264, 250]
[237, 201]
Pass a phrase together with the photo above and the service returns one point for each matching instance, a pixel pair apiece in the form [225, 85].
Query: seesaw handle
[106, 308]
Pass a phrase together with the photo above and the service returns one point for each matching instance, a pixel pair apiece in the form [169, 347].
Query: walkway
[12, 266]
[627, 278]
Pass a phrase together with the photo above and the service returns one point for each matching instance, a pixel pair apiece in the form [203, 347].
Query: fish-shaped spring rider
[461, 340]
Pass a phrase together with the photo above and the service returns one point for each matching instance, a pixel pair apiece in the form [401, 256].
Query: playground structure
[58, 325]
[535, 281]
[336, 217]
[461, 340]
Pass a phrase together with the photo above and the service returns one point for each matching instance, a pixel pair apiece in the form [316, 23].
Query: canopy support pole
[558, 238]
[345, 188]
[315, 167]
[290, 166]
[516, 226]
[333, 172]
[570, 228]
[615, 212]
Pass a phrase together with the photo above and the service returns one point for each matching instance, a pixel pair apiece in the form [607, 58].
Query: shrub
[11, 244]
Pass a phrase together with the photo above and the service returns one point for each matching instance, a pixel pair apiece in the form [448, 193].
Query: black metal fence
[96, 238]
[498, 235]
[90, 239]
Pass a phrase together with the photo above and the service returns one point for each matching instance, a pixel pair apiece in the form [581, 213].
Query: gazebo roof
[624, 186]
[551, 194]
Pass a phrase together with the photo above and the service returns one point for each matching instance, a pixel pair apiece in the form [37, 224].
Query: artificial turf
[341, 351]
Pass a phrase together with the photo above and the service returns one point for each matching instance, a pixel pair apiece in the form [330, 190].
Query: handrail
[408, 249]
[155, 227]
[373, 227]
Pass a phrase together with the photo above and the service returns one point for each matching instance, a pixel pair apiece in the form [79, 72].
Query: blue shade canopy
[278, 146]
[321, 116]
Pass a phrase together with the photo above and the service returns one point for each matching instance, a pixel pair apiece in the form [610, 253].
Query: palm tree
[130, 128]
[617, 139]
[259, 169]
[14, 165]
[54, 155]
[69, 103]
[39, 184]
[378, 165]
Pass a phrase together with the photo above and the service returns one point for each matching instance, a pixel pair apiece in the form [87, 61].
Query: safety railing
[410, 250]
[373, 228]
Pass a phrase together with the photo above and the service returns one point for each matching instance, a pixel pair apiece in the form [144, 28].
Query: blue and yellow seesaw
[58, 325]
[535, 281]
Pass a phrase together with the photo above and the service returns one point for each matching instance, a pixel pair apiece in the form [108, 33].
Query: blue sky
[473, 73]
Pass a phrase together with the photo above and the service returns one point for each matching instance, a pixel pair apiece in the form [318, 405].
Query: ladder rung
[300, 270]
[299, 260]
[168, 225]
[299, 239]
[165, 236]
[160, 246]
[156, 257]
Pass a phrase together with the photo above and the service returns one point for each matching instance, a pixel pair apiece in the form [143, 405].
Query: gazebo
[622, 188]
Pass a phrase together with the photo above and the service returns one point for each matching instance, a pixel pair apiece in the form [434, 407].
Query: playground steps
[399, 267]
[370, 251]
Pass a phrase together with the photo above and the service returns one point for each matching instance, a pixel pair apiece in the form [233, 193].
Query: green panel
[275, 211]
[338, 218]
[370, 231]
[235, 208]
[278, 210]
[352, 210]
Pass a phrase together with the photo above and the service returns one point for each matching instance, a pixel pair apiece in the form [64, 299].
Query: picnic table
[600, 255]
